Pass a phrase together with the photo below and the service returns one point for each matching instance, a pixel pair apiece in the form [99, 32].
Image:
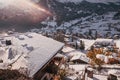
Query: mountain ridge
[92, 1]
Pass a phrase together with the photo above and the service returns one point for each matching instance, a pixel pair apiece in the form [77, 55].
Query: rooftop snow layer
[43, 49]
[117, 43]
[81, 56]
[103, 40]
[88, 43]
[42, 55]
[75, 54]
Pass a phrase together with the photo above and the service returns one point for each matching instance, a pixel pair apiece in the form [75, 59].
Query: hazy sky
[21, 10]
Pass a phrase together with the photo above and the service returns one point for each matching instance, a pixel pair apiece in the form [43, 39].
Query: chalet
[80, 58]
[43, 65]
[104, 42]
[36, 55]
[113, 74]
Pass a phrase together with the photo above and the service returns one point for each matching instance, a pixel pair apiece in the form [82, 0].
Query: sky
[21, 10]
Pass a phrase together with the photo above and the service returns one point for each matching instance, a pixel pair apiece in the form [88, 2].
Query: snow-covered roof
[103, 40]
[67, 49]
[115, 66]
[81, 56]
[60, 55]
[40, 50]
[117, 43]
[70, 52]
[112, 71]
[31, 40]
[88, 43]
[39, 57]
[76, 54]
[76, 57]
[78, 67]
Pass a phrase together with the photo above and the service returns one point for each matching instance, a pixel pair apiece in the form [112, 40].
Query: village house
[31, 52]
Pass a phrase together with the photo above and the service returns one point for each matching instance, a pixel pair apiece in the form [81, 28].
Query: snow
[100, 24]
[20, 63]
[71, 51]
[75, 54]
[60, 55]
[73, 69]
[81, 56]
[99, 77]
[111, 66]
[88, 43]
[29, 50]
[67, 49]
[78, 67]
[45, 53]
[34, 42]
[106, 59]
[33, 51]
[103, 40]
[117, 43]
[112, 72]
[100, 56]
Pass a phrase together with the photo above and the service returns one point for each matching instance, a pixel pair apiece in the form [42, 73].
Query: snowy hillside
[93, 1]
[87, 16]
[94, 25]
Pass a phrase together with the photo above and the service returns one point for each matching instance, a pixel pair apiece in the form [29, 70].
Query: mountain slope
[92, 1]
[71, 10]
[84, 16]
